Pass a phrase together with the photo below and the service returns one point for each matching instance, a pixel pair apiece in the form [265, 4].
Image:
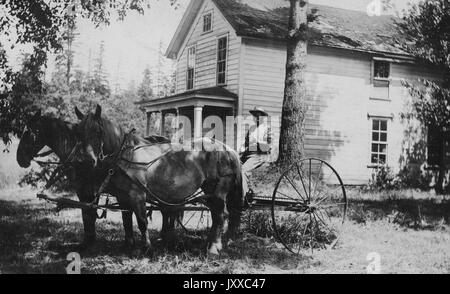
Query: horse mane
[114, 134]
[59, 134]
[155, 139]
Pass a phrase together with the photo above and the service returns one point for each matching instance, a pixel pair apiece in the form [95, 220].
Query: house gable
[206, 51]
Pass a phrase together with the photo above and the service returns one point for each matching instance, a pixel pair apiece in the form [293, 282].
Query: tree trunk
[439, 188]
[294, 103]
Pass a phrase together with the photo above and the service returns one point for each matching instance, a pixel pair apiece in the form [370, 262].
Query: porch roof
[214, 96]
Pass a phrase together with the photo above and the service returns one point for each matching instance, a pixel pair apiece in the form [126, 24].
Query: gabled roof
[334, 27]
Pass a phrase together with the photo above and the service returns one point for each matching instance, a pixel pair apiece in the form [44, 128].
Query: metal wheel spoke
[317, 181]
[324, 223]
[312, 233]
[295, 187]
[332, 205]
[326, 212]
[314, 221]
[301, 179]
[316, 217]
[200, 220]
[326, 195]
[187, 222]
[309, 197]
[287, 196]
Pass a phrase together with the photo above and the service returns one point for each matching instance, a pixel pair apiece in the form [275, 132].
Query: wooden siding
[206, 56]
[338, 120]
[340, 95]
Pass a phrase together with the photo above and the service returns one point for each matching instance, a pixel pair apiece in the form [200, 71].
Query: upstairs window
[381, 69]
[190, 75]
[222, 51]
[379, 142]
[207, 22]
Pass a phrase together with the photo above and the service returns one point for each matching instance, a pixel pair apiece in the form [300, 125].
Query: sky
[133, 44]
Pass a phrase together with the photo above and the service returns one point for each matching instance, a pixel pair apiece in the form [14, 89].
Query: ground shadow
[421, 214]
[34, 239]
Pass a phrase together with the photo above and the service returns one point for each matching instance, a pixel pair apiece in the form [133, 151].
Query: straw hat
[258, 112]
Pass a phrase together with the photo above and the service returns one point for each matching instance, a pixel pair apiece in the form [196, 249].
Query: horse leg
[137, 201]
[168, 229]
[89, 217]
[165, 224]
[127, 219]
[214, 241]
[234, 207]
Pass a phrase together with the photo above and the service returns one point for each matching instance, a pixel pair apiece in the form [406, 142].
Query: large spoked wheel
[309, 206]
[195, 220]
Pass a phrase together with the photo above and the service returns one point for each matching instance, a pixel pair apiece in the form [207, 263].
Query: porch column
[177, 118]
[163, 123]
[149, 122]
[198, 122]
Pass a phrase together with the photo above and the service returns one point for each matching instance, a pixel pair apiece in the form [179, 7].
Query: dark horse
[164, 172]
[60, 137]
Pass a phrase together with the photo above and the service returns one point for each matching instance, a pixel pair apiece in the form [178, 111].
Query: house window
[207, 22]
[381, 69]
[190, 76]
[379, 141]
[222, 45]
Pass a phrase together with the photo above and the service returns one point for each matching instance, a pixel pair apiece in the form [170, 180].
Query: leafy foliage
[145, 90]
[43, 24]
[426, 29]
[384, 179]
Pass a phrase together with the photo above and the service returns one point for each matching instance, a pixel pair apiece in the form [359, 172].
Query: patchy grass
[35, 239]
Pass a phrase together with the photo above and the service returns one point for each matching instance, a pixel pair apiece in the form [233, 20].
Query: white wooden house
[231, 57]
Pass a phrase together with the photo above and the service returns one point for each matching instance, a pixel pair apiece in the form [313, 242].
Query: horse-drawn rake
[307, 206]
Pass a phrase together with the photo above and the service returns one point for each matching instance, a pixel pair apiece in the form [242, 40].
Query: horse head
[31, 141]
[97, 135]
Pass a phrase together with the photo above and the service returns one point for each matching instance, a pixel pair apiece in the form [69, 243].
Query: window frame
[226, 36]
[378, 142]
[375, 61]
[211, 14]
[190, 67]
[381, 82]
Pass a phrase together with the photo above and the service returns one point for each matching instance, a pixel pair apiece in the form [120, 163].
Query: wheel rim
[309, 206]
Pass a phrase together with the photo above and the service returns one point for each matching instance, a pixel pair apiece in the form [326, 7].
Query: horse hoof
[146, 244]
[215, 249]
[87, 243]
[129, 243]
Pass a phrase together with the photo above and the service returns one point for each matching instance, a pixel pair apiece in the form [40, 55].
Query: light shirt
[259, 134]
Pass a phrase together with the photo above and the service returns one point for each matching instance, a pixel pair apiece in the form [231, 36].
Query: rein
[115, 167]
[56, 175]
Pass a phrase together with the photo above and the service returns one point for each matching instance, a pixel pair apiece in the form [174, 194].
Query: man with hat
[258, 140]
[257, 148]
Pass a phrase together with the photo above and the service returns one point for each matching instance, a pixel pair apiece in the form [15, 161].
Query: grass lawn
[409, 231]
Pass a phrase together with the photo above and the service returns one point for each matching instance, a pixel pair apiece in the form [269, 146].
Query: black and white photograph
[231, 137]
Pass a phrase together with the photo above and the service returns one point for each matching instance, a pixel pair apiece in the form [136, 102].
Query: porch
[194, 113]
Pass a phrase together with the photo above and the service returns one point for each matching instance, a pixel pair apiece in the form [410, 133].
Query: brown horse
[60, 137]
[164, 173]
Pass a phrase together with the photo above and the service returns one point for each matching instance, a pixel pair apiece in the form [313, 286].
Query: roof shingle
[334, 27]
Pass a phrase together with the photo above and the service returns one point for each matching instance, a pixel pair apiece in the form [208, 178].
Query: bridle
[63, 166]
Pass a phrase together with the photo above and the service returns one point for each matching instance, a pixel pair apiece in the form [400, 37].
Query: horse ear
[98, 112]
[79, 114]
[35, 117]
